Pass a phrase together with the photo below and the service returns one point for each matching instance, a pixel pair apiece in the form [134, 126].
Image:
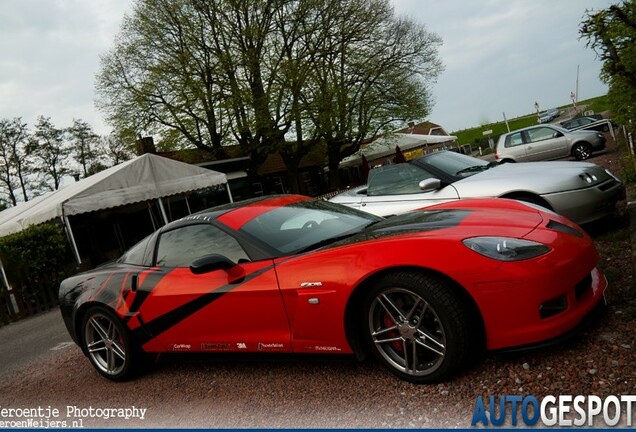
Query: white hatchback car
[547, 142]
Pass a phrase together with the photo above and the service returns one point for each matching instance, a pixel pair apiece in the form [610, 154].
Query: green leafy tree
[611, 33]
[116, 149]
[374, 74]
[14, 167]
[85, 147]
[161, 75]
[273, 75]
[48, 150]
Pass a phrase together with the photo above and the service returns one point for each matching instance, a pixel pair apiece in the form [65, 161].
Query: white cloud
[500, 55]
[49, 54]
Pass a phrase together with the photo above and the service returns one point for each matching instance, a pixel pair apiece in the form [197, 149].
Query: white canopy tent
[144, 178]
[384, 146]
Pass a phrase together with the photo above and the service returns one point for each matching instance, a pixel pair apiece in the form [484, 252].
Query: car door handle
[364, 204]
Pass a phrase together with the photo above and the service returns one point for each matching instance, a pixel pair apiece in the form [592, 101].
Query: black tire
[419, 327]
[582, 151]
[109, 345]
[508, 161]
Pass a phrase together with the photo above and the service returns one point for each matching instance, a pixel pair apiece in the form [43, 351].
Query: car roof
[263, 202]
[535, 127]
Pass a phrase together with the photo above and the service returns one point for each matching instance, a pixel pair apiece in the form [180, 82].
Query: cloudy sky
[499, 55]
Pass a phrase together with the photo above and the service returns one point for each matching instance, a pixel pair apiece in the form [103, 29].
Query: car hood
[538, 177]
[463, 219]
[533, 168]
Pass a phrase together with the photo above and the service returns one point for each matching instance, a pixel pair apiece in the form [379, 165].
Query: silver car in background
[582, 191]
[547, 142]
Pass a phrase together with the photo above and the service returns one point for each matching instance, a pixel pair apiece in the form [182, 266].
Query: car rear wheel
[582, 151]
[418, 327]
[108, 345]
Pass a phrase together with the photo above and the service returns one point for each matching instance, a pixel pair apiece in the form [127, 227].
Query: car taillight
[496, 155]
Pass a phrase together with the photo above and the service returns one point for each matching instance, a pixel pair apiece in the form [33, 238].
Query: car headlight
[506, 249]
[588, 178]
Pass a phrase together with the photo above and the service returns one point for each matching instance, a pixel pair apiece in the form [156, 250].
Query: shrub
[35, 261]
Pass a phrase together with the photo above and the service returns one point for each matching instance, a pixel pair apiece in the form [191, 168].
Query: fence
[16, 304]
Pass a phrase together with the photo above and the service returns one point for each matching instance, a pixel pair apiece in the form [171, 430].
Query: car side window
[136, 255]
[514, 139]
[180, 246]
[541, 134]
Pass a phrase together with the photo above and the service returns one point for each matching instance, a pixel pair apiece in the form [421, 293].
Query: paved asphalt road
[32, 340]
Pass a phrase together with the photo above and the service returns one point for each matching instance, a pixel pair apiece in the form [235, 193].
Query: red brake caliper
[388, 322]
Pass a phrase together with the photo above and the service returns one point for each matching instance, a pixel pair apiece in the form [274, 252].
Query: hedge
[35, 261]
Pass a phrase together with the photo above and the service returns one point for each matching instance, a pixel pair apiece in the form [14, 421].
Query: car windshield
[307, 225]
[455, 165]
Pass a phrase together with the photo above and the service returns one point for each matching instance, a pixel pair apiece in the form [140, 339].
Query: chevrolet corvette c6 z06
[421, 292]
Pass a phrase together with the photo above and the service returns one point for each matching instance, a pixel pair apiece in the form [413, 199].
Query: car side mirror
[211, 262]
[430, 184]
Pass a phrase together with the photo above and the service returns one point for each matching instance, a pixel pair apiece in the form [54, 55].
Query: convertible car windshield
[307, 225]
[454, 165]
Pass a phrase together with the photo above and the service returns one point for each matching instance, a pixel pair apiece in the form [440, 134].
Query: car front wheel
[582, 151]
[108, 345]
[418, 327]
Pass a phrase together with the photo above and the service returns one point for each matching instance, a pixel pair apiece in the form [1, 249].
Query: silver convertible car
[582, 191]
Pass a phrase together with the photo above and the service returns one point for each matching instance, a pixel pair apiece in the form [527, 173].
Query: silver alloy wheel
[105, 344]
[582, 152]
[407, 332]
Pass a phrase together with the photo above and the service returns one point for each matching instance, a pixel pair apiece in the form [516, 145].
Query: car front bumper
[589, 204]
[537, 300]
[516, 308]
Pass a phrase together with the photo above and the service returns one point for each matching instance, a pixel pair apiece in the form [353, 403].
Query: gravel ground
[321, 392]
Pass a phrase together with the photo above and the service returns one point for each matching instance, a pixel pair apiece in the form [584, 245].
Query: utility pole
[576, 91]
[506, 121]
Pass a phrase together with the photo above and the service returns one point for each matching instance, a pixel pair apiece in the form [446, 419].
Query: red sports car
[421, 292]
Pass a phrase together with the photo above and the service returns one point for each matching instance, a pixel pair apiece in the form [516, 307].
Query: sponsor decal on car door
[238, 309]
[236, 304]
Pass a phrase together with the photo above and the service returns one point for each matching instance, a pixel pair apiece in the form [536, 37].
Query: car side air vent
[607, 185]
[558, 226]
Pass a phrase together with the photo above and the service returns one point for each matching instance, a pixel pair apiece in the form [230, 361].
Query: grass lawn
[475, 135]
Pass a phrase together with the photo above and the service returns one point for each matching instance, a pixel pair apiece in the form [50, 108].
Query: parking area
[327, 392]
